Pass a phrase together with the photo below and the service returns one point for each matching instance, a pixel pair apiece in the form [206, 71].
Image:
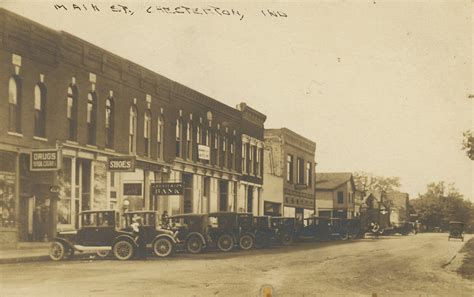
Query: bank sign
[167, 189]
[45, 160]
[126, 164]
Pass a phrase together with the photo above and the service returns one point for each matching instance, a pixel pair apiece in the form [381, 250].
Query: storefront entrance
[223, 195]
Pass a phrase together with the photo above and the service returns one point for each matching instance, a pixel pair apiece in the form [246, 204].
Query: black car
[190, 231]
[284, 228]
[315, 228]
[264, 233]
[456, 230]
[99, 231]
[162, 241]
[228, 229]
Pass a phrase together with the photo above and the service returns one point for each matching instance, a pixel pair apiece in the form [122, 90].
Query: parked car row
[107, 232]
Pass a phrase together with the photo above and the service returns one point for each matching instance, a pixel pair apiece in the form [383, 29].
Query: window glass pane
[12, 91]
[64, 204]
[37, 98]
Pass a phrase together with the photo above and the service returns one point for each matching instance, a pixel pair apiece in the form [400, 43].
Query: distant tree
[367, 182]
[442, 203]
[468, 144]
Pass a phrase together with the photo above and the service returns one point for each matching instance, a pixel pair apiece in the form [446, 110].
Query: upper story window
[300, 171]
[40, 110]
[258, 162]
[147, 132]
[189, 141]
[178, 137]
[232, 155]
[198, 134]
[71, 112]
[289, 168]
[340, 197]
[159, 137]
[132, 133]
[14, 100]
[91, 117]
[309, 174]
[251, 158]
[244, 157]
[109, 122]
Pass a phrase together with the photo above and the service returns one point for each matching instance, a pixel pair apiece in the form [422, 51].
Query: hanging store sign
[126, 164]
[204, 152]
[45, 160]
[167, 189]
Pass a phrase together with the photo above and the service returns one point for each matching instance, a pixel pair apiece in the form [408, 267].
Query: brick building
[289, 164]
[87, 105]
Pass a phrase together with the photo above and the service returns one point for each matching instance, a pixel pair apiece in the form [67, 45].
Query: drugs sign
[167, 189]
[45, 160]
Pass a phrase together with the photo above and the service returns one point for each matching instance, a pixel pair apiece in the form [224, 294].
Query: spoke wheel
[194, 245]
[162, 247]
[103, 254]
[57, 251]
[286, 238]
[344, 235]
[246, 242]
[123, 250]
[225, 243]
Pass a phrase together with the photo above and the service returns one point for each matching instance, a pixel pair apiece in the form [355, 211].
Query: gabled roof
[332, 180]
[397, 198]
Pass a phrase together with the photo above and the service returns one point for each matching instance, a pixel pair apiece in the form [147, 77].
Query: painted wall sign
[167, 189]
[126, 164]
[45, 160]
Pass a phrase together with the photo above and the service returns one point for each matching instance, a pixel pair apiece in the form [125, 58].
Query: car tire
[57, 251]
[225, 243]
[103, 254]
[162, 247]
[194, 244]
[123, 250]
[286, 238]
[246, 242]
[344, 235]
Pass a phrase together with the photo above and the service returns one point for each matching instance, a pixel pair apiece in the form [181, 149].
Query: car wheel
[194, 245]
[225, 243]
[286, 238]
[246, 242]
[344, 235]
[123, 250]
[57, 251]
[162, 247]
[103, 254]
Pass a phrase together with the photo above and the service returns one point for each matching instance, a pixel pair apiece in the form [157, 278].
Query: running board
[82, 248]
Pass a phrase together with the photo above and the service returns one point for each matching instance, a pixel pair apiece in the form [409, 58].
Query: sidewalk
[25, 253]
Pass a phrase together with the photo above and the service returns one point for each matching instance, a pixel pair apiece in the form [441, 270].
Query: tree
[367, 182]
[442, 203]
[468, 144]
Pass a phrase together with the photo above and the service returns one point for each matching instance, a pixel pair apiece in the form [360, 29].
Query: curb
[24, 259]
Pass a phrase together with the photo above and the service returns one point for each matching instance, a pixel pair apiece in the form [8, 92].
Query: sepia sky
[380, 86]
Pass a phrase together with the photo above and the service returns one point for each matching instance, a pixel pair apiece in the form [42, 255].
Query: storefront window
[64, 204]
[7, 189]
[100, 186]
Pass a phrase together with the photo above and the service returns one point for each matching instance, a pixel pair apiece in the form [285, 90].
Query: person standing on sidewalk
[141, 240]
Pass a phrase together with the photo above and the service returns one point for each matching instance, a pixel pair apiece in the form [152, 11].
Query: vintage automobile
[99, 230]
[191, 231]
[264, 233]
[456, 230]
[284, 229]
[227, 229]
[315, 228]
[162, 241]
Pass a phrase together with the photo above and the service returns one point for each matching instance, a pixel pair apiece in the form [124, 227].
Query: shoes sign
[45, 160]
[125, 164]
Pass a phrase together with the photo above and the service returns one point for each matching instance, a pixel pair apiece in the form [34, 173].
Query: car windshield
[89, 219]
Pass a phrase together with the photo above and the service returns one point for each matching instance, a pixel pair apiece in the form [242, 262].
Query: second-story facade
[289, 167]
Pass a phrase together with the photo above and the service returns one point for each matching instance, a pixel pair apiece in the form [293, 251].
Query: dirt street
[391, 266]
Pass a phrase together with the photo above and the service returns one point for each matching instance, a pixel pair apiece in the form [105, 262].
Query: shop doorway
[188, 193]
[250, 199]
[223, 195]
